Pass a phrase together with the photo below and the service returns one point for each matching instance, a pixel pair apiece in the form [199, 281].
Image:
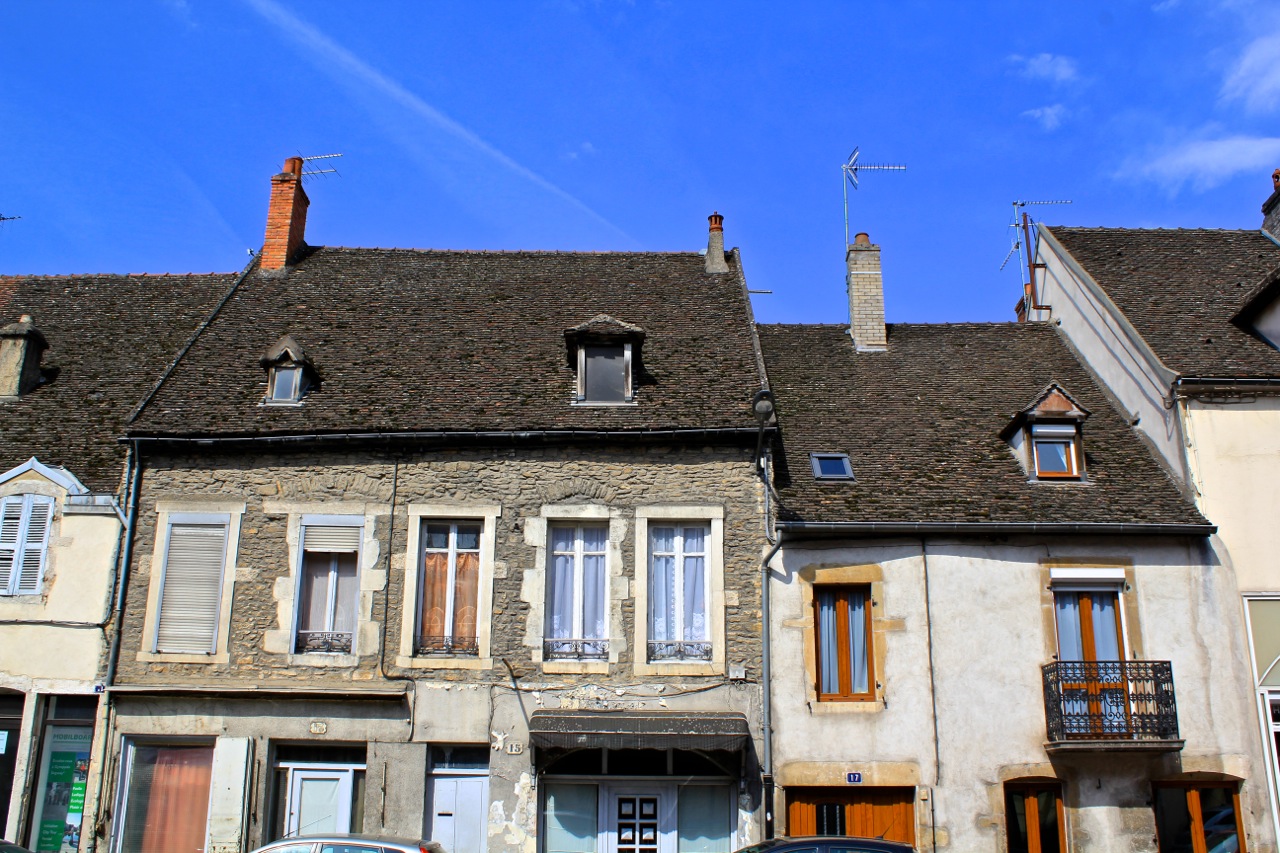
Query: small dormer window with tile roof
[290, 374]
[1048, 434]
[604, 353]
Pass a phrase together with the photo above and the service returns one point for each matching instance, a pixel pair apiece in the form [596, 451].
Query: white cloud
[1206, 163]
[1047, 66]
[1050, 117]
[338, 61]
[1255, 78]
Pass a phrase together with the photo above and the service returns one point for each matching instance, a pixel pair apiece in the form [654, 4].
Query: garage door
[865, 812]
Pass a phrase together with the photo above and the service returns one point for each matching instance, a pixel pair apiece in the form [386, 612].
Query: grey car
[349, 844]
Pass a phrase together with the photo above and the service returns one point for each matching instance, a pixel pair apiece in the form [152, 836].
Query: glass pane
[1070, 646]
[858, 640]
[466, 595]
[830, 818]
[560, 597]
[571, 818]
[705, 819]
[314, 607]
[1047, 812]
[168, 799]
[318, 806]
[829, 675]
[606, 374]
[285, 386]
[347, 592]
[1053, 457]
[1173, 820]
[832, 466]
[562, 539]
[662, 598]
[1015, 815]
[438, 536]
[435, 584]
[1106, 636]
[594, 539]
[1217, 809]
[468, 537]
[593, 597]
[695, 599]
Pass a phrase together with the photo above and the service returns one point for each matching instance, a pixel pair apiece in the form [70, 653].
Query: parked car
[10, 847]
[828, 844]
[348, 844]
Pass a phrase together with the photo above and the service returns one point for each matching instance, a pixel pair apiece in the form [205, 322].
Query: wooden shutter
[331, 540]
[31, 563]
[24, 537]
[191, 594]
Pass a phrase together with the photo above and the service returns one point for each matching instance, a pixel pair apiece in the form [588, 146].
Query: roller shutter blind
[331, 540]
[24, 539]
[191, 592]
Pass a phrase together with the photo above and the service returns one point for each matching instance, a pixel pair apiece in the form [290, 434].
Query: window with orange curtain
[450, 584]
[166, 801]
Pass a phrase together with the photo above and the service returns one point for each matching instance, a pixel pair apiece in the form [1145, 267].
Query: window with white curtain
[577, 593]
[678, 592]
[328, 590]
[843, 616]
[24, 539]
[191, 584]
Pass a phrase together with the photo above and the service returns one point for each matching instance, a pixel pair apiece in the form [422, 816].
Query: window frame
[189, 520]
[628, 383]
[451, 551]
[277, 371]
[21, 546]
[815, 462]
[679, 555]
[1192, 789]
[1028, 791]
[843, 650]
[126, 764]
[579, 553]
[486, 515]
[1067, 433]
[168, 513]
[350, 521]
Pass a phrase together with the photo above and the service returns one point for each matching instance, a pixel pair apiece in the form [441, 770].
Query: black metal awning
[638, 729]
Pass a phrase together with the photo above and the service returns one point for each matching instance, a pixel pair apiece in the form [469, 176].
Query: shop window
[165, 798]
[1034, 817]
[1199, 816]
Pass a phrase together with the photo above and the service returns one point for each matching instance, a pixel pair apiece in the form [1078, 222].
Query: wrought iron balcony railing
[324, 641]
[1109, 702]
[575, 649]
[446, 646]
[669, 650]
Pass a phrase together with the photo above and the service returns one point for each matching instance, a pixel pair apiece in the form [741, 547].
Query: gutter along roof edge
[818, 529]
[449, 435]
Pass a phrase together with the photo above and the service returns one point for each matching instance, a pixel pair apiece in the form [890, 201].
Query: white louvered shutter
[191, 597]
[34, 541]
[10, 528]
[331, 540]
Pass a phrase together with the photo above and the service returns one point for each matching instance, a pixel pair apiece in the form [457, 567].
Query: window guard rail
[674, 650]
[324, 641]
[446, 645]
[562, 648]
[1110, 700]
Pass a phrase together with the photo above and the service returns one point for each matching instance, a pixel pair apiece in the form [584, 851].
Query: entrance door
[1090, 637]
[10, 730]
[640, 819]
[459, 812]
[319, 802]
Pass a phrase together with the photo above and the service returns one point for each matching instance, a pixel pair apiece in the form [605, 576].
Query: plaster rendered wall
[1107, 346]
[992, 629]
[474, 705]
[1235, 451]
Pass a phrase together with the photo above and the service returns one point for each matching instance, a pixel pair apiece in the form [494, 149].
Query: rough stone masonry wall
[521, 480]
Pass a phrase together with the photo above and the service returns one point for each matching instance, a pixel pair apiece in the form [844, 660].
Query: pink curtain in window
[178, 805]
[466, 592]
[435, 586]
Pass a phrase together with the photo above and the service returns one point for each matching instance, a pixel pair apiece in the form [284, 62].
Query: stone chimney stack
[866, 295]
[1271, 209]
[21, 346]
[286, 217]
[715, 245]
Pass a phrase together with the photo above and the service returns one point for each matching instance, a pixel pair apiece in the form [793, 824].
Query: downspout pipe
[766, 670]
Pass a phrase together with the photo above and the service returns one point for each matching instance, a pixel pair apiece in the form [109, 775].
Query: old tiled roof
[410, 340]
[921, 423]
[1180, 289]
[110, 337]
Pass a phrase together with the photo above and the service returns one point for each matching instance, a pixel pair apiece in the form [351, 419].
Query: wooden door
[1090, 635]
[871, 812]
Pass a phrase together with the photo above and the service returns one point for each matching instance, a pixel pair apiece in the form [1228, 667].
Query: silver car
[349, 844]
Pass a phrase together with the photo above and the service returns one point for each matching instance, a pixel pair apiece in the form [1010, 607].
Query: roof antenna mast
[850, 170]
[311, 173]
[1021, 243]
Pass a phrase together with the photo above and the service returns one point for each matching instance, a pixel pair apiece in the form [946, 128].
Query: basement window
[831, 466]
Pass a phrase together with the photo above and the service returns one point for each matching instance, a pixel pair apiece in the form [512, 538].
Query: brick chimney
[1271, 208]
[286, 217]
[866, 295]
[715, 245]
[21, 346]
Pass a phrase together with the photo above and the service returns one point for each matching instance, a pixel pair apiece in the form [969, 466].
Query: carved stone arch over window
[290, 373]
[605, 352]
[1049, 435]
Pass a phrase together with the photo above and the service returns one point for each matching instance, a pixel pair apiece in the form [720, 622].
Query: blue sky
[140, 137]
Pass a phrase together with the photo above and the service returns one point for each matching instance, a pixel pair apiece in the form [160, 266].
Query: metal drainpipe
[765, 675]
[134, 468]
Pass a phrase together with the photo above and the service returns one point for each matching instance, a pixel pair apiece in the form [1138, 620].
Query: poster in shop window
[64, 769]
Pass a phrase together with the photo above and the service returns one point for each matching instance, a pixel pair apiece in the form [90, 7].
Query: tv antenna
[1021, 244]
[4, 219]
[311, 173]
[850, 170]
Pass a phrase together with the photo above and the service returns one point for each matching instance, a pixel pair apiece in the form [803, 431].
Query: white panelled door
[319, 802]
[459, 812]
[640, 819]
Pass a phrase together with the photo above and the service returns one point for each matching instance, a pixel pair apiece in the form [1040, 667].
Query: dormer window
[290, 374]
[1053, 449]
[1048, 436]
[604, 373]
[604, 353]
